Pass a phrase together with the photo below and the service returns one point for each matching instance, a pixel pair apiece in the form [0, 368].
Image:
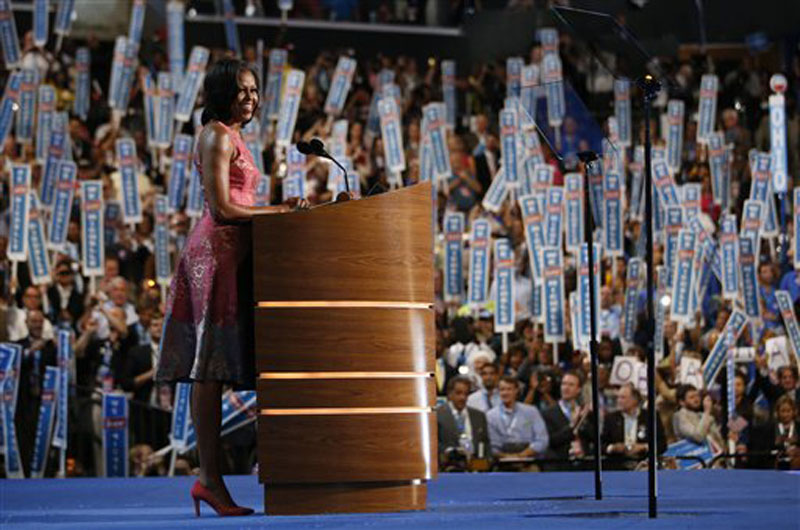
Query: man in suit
[625, 431]
[66, 302]
[568, 423]
[460, 428]
[787, 383]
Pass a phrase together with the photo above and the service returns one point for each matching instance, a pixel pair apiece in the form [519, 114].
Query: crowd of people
[527, 407]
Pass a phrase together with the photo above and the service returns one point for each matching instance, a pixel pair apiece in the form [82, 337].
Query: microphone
[317, 148]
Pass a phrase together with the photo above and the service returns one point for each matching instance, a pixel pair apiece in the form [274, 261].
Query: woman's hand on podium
[296, 203]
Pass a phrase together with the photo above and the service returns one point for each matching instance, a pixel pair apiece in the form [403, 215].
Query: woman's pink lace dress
[208, 325]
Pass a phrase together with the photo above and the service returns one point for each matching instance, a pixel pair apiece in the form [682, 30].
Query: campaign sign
[537, 313]
[453, 268]
[709, 85]
[27, 106]
[385, 76]
[508, 146]
[665, 185]
[149, 100]
[691, 199]
[504, 317]
[748, 267]
[426, 161]
[236, 411]
[661, 310]
[194, 199]
[717, 161]
[625, 370]
[632, 281]
[392, 134]
[497, 193]
[436, 132]
[612, 215]
[44, 428]
[290, 104]
[796, 235]
[63, 22]
[272, 91]
[673, 225]
[554, 325]
[7, 105]
[38, 258]
[622, 111]
[514, 76]
[44, 121]
[683, 277]
[583, 292]
[164, 110]
[573, 321]
[786, 307]
[231, 31]
[80, 106]
[531, 208]
[56, 151]
[543, 175]
[8, 36]
[64, 358]
[554, 215]
[760, 189]
[92, 228]
[340, 85]
[594, 171]
[479, 254]
[637, 179]
[181, 419]
[192, 81]
[753, 213]
[675, 114]
[176, 48]
[729, 243]
[115, 435]
[449, 92]
[532, 147]
[777, 136]
[554, 89]
[251, 134]
[128, 161]
[573, 194]
[128, 58]
[17, 249]
[9, 384]
[548, 38]
[181, 161]
[733, 327]
[62, 206]
[117, 61]
[136, 22]
[161, 236]
[528, 93]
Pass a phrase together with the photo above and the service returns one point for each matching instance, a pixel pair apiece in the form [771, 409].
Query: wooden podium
[344, 342]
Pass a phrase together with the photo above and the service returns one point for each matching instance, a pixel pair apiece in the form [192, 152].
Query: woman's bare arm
[216, 152]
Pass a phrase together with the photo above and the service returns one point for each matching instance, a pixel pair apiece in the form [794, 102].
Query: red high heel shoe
[201, 493]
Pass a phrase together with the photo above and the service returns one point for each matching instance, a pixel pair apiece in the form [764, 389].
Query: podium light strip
[344, 375]
[305, 304]
[345, 410]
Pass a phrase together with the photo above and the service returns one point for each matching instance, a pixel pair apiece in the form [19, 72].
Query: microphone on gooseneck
[317, 148]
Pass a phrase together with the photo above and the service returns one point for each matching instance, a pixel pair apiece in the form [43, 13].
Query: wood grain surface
[344, 498]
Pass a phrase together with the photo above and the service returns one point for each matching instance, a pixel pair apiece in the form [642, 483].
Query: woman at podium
[208, 325]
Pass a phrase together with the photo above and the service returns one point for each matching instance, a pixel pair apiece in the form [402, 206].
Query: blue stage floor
[699, 499]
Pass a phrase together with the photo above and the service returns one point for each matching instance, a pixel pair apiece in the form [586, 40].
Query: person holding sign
[208, 328]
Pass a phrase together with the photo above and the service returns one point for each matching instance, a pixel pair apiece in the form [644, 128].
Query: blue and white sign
[449, 92]
[479, 265]
[633, 280]
[748, 267]
[496, 194]
[636, 203]
[128, 162]
[622, 111]
[573, 192]
[709, 85]
[192, 81]
[80, 106]
[548, 38]
[687, 448]
[44, 428]
[181, 420]
[532, 147]
[290, 104]
[8, 104]
[504, 310]
[38, 258]
[760, 189]
[753, 213]
[673, 224]
[12, 357]
[149, 100]
[41, 22]
[136, 22]
[125, 60]
[554, 217]
[453, 261]
[691, 199]
[719, 352]
[161, 236]
[164, 110]
[786, 307]
[181, 162]
[584, 312]
[683, 277]
[508, 146]
[44, 121]
[64, 14]
[553, 82]
[664, 183]
[533, 214]
[194, 199]
[514, 76]
[176, 47]
[612, 215]
[554, 317]
[392, 134]
[27, 106]
[340, 85]
[529, 92]
[62, 206]
[115, 435]
[92, 228]
[777, 136]
[658, 336]
[17, 249]
[594, 171]
[57, 150]
[60, 434]
[729, 243]
[231, 31]
[262, 190]
[434, 119]
[272, 91]
[8, 36]
[675, 113]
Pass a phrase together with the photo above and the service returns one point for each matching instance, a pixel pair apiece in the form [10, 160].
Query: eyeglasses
[65, 273]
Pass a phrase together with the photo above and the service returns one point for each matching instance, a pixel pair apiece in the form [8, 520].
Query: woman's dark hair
[221, 87]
